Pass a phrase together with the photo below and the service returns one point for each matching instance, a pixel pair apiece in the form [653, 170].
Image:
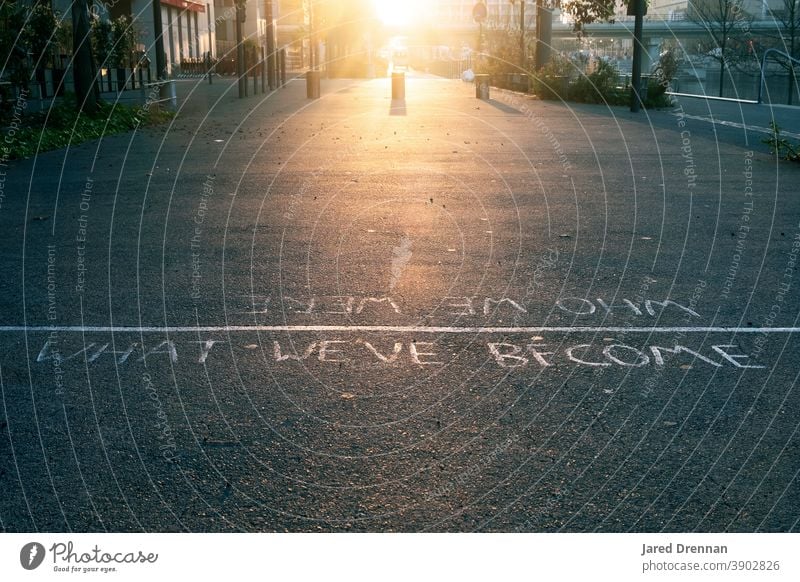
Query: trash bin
[644, 86]
[167, 95]
[523, 83]
[482, 87]
[312, 84]
[398, 86]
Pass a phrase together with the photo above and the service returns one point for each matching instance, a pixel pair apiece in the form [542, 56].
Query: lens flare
[397, 13]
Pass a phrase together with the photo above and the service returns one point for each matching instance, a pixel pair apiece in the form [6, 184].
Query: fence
[449, 69]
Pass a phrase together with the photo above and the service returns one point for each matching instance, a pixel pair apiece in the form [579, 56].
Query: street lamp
[312, 28]
[521, 32]
[479, 14]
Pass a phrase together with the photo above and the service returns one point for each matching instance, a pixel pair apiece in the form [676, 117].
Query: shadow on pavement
[503, 107]
[398, 107]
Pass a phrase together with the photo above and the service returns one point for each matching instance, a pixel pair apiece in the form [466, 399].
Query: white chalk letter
[279, 357]
[539, 356]
[165, 347]
[577, 360]
[205, 348]
[324, 350]
[588, 305]
[388, 300]
[659, 359]
[415, 354]
[642, 359]
[465, 304]
[648, 305]
[732, 357]
[510, 359]
[487, 305]
[398, 347]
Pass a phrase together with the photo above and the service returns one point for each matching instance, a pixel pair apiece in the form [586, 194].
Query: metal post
[271, 73]
[158, 31]
[479, 15]
[764, 58]
[240, 70]
[636, 72]
[263, 72]
[538, 31]
[210, 39]
[522, 34]
[312, 35]
[480, 47]
[544, 35]
[209, 53]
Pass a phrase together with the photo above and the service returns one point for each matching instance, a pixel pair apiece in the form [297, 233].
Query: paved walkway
[433, 314]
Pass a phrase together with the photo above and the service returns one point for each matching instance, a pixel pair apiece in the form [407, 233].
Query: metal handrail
[763, 70]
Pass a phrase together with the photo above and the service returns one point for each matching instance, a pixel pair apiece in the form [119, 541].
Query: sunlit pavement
[359, 314]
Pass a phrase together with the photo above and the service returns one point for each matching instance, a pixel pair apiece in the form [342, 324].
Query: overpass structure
[656, 27]
[622, 28]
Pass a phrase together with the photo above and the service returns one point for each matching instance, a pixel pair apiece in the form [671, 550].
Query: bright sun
[396, 12]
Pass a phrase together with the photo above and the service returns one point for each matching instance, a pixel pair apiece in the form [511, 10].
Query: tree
[83, 63]
[123, 38]
[787, 17]
[503, 46]
[102, 45]
[39, 36]
[40, 33]
[724, 21]
[13, 46]
[28, 35]
[588, 11]
[113, 42]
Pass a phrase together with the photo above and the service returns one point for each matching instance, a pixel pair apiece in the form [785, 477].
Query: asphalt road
[440, 314]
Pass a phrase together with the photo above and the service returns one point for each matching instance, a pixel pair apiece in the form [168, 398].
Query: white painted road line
[385, 329]
[736, 125]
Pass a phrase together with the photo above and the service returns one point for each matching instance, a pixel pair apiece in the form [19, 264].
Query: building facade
[192, 29]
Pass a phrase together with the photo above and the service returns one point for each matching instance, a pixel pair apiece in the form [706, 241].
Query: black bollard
[312, 84]
[482, 87]
[398, 86]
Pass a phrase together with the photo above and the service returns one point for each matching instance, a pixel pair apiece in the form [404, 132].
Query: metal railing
[767, 53]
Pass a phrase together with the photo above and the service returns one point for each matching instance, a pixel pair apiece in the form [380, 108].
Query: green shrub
[657, 85]
[657, 94]
[599, 86]
[66, 126]
[551, 81]
[564, 79]
[780, 145]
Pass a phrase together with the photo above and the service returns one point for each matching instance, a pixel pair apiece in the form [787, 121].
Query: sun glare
[396, 12]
